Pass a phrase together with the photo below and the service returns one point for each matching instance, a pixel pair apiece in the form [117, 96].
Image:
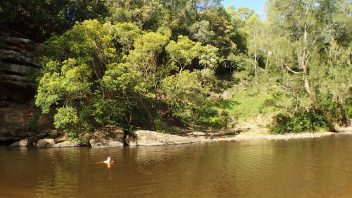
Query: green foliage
[117, 74]
[40, 19]
[148, 63]
[300, 122]
[209, 56]
[213, 117]
[179, 92]
[125, 34]
[349, 108]
[183, 51]
[66, 117]
[74, 64]
[260, 97]
[201, 31]
[108, 111]
[147, 48]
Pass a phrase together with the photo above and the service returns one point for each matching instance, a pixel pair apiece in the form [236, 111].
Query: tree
[311, 31]
[254, 29]
[99, 74]
[73, 65]
[39, 19]
[179, 91]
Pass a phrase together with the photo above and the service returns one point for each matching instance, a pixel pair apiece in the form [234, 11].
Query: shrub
[300, 122]
[212, 117]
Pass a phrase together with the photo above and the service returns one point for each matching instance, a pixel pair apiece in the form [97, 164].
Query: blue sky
[257, 5]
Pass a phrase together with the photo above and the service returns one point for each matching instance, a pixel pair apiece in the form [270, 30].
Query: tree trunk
[304, 65]
[327, 120]
[151, 124]
[255, 63]
[345, 120]
[331, 125]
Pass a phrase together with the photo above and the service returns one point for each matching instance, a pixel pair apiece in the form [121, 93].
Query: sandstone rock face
[65, 144]
[104, 143]
[18, 121]
[152, 138]
[109, 136]
[61, 138]
[18, 64]
[42, 143]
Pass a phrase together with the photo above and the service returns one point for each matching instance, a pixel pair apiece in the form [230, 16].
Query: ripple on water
[296, 168]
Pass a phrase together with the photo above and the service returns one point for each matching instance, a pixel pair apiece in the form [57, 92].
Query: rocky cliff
[18, 66]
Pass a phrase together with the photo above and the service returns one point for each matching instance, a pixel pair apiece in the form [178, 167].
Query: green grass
[258, 99]
[245, 103]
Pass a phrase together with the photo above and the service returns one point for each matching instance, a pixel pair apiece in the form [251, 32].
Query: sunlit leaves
[201, 31]
[125, 34]
[209, 56]
[141, 61]
[184, 51]
[65, 117]
[180, 91]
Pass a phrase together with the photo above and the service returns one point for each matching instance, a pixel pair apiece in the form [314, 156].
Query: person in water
[108, 162]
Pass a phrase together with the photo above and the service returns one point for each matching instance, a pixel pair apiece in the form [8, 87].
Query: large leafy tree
[98, 74]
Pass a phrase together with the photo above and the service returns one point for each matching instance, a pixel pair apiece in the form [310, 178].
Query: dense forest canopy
[39, 19]
[163, 63]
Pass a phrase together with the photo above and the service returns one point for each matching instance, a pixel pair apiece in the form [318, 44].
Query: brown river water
[295, 168]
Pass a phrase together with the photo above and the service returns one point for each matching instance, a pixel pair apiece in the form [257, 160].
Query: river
[295, 168]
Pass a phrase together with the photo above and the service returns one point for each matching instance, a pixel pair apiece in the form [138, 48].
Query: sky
[256, 5]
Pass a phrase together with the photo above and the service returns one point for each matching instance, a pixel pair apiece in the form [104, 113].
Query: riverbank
[153, 138]
[149, 138]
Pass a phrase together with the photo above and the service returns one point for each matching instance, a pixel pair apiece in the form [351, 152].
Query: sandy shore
[152, 138]
[265, 136]
[247, 136]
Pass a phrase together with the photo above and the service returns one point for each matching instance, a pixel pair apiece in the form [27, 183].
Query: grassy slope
[254, 105]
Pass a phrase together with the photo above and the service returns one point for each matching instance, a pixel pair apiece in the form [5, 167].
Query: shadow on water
[298, 168]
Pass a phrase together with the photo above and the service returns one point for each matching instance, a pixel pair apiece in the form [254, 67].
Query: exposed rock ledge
[152, 138]
[45, 143]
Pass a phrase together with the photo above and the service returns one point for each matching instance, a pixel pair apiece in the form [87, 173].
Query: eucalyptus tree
[298, 20]
[311, 33]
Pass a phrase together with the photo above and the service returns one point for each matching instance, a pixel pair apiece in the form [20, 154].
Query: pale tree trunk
[303, 61]
[304, 65]
[267, 62]
[331, 125]
[255, 62]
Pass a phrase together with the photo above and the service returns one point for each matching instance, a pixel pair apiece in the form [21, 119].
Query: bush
[298, 123]
[210, 117]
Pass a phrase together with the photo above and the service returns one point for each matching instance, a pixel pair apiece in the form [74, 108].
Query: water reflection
[299, 168]
[58, 171]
